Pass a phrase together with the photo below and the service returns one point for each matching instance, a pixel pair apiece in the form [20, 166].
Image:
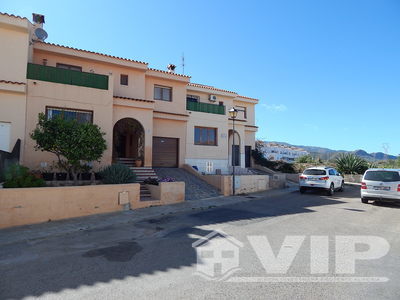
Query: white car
[381, 185]
[325, 178]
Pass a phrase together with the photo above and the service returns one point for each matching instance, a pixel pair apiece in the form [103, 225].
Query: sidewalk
[58, 228]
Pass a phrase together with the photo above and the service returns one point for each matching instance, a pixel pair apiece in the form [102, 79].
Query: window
[205, 136]
[242, 112]
[82, 116]
[314, 172]
[192, 98]
[162, 93]
[69, 67]
[123, 79]
[383, 176]
[332, 172]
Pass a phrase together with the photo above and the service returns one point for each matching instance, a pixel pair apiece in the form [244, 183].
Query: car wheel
[302, 190]
[363, 200]
[331, 190]
[342, 187]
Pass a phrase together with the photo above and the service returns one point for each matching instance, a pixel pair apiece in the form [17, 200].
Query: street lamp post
[233, 114]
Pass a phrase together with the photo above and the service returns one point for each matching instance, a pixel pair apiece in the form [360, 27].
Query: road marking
[308, 279]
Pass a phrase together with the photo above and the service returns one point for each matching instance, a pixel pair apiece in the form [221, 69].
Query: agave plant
[349, 163]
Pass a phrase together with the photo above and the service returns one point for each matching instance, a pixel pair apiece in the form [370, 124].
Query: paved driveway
[154, 259]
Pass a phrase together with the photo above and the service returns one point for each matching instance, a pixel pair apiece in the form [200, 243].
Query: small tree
[73, 143]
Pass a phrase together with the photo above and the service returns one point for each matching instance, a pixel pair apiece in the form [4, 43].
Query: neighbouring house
[281, 152]
[156, 117]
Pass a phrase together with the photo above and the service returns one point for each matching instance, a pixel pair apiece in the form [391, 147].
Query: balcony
[58, 75]
[206, 107]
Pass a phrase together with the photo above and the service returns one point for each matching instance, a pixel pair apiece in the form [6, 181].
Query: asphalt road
[154, 259]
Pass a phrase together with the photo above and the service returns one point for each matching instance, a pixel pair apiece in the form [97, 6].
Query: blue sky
[327, 73]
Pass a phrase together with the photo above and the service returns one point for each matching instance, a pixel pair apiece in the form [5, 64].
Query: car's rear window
[385, 176]
[314, 172]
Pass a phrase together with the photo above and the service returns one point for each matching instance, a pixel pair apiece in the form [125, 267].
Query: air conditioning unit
[212, 98]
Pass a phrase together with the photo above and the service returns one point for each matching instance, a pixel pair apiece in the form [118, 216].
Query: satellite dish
[41, 34]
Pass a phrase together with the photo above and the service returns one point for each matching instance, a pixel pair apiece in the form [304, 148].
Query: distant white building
[280, 152]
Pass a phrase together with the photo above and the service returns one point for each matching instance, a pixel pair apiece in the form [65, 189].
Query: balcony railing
[206, 107]
[58, 75]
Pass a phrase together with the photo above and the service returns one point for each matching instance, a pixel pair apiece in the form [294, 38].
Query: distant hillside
[327, 154]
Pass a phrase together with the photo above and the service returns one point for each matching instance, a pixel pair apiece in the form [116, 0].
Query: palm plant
[349, 163]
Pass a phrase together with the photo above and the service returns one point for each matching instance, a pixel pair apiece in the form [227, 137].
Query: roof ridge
[247, 97]
[158, 70]
[93, 52]
[210, 87]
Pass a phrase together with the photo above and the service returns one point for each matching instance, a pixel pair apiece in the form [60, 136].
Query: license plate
[313, 178]
[382, 188]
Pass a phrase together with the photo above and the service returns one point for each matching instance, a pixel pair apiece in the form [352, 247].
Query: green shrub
[17, 176]
[349, 163]
[117, 174]
[305, 159]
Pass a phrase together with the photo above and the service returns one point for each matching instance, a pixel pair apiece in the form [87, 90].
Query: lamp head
[233, 113]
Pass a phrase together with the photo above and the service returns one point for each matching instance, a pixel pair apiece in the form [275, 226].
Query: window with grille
[82, 116]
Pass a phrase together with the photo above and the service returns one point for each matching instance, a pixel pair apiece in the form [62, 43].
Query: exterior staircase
[142, 173]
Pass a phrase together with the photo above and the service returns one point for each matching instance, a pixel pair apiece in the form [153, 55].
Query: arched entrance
[234, 160]
[128, 140]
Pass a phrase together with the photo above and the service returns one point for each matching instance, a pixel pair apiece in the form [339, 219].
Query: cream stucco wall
[12, 111]
[42, 94]
[14, 38]
[178, 103]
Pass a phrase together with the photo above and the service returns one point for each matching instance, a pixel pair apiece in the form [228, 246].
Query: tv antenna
[183, 63]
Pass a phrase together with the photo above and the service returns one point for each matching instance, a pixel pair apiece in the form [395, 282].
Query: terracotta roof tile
[134, 99]
[248, 97]
[210, 87]
[165, 72]
[87, 51]
[12, 82]
[13, 16]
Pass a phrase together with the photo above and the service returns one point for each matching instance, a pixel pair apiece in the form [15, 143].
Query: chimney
[171, 68]
[38, 19]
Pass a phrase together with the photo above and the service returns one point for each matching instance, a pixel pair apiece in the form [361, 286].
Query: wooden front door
[165, 152]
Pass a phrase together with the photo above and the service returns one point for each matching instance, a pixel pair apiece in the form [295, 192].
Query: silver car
[381, 185]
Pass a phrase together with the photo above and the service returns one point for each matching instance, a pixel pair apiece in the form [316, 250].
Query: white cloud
[275, 107]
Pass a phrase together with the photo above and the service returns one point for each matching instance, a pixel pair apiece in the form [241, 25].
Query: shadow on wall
[8, 158]
[114, 253]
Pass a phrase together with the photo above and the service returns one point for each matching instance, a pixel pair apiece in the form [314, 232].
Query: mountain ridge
[327, 153]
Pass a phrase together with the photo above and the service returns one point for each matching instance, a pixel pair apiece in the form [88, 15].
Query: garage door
[165, 152]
